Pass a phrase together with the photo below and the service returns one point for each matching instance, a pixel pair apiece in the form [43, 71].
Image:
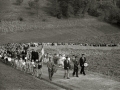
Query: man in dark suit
[33, 55]
[23, 54]
[50, 65]
[75, 67]
[36, 56]
[82, 61]
[66, 67]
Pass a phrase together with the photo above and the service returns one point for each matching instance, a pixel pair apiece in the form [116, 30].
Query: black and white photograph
[59, 44]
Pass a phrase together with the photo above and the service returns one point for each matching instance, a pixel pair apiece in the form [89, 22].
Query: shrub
[118, 3]
[20, 19]
[94, 12]
[19, 2]
[36, 0]
[111, 13]
[31, 4]
[44, 20]
[54, 8]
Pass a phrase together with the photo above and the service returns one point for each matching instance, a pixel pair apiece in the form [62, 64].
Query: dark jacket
[82, 61]
[33, 55]
[36, 55]
[76, 64]
[66, 65]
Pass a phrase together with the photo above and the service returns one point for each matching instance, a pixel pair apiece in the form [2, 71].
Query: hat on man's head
[66, 57]
[75, 56]
[83, 54]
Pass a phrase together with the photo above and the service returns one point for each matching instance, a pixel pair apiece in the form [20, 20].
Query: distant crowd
[80, 44]
[22, 57]
[36, 44]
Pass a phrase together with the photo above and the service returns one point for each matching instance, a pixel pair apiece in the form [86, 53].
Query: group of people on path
[31, 61]
[76, 62]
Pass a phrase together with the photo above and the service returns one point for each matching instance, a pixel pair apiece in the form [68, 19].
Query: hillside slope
[46, 28]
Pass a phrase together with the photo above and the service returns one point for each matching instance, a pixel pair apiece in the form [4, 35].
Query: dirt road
[12, 79]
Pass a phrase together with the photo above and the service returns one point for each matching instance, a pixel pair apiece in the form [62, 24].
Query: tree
[36, 0]
[54, 8]
[19, 2]
[34, 5]
[118, 3]
[64, 7]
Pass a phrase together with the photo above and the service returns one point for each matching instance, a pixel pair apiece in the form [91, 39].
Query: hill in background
[46, 28]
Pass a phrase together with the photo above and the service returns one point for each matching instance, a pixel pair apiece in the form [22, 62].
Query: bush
[33, 4]
[54, 8]
[44, 20]
[36, 0]
[20, 19]
[94, 12]
[19, 2]
[108, 11]
[111, 13]
[118, 3]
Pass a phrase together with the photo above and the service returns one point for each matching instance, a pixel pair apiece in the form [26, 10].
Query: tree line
[108, 10]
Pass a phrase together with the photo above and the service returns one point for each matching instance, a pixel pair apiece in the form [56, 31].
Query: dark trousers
[50, 72]
[82, 70]
[75, 71]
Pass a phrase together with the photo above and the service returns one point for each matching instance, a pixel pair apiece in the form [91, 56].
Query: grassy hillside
[46, 28]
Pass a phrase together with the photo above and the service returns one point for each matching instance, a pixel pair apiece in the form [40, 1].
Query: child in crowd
[32, 67]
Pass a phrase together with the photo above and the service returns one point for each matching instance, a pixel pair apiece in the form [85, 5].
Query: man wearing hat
[82, 61]
[75, 67]
[66, 67]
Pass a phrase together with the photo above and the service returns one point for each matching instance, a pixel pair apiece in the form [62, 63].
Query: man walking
[82, 61]
[66, 67]
[75, 67]
[50, 65]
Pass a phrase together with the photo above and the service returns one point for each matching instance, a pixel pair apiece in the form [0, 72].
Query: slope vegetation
[46, 28]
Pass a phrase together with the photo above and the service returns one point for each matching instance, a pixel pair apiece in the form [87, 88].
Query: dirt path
[92, 81]
[11, 79]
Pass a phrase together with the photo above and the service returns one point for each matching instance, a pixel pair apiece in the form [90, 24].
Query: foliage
[54, 8]
[36, 0]
[34, 4]
[67, 8]
[19, 2]
[110, 12]
[20, 18]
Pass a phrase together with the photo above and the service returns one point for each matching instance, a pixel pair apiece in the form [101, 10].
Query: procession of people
[21, 57]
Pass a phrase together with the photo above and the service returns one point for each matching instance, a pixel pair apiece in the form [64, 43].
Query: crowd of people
[21, 57]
